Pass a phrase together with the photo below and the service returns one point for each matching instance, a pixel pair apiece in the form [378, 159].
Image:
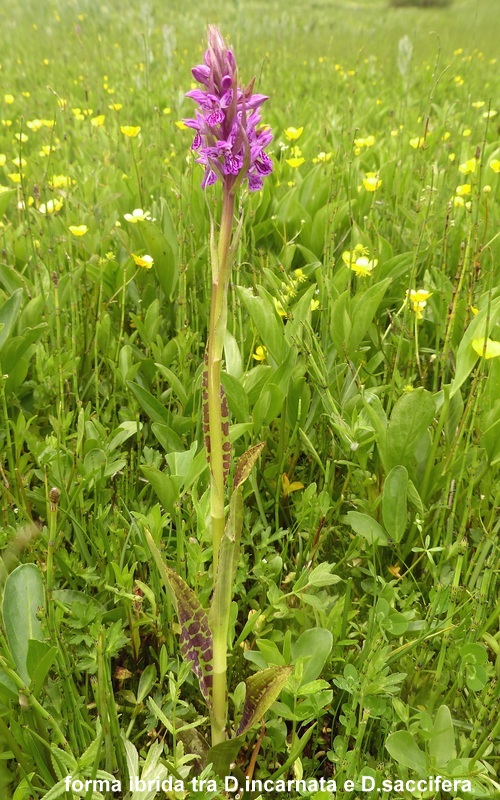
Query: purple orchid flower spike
[228, 140]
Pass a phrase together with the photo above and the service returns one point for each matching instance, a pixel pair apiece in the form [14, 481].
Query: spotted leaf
[195, 641]
[262, 690]
[246, 462]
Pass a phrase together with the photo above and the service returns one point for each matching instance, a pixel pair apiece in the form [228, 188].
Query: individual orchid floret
[229, 140]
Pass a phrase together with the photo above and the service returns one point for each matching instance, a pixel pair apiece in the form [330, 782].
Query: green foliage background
[371, 527]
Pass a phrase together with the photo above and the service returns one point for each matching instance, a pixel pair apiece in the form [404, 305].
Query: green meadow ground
[371, 523]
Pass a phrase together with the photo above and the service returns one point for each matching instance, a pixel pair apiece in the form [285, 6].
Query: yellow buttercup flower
[357, 260]
[34, 124]
[489, 347]
[78, 230]
[418, 300]
[372, 182]
[98, 121]
[138, 215]
[368, 141]
[51, 206]
[289, 487]
[464, 189]
[295, 162]
[260, 353]
[115, 106]
[495, 165]
[468, 167]
[292, 134]
[3, 159]
[130, 130]
[8, 98]
[15, 177]
[490, 114]
[418, 141]
[143, 261]
[181, 125]
[21, 137]
[60, 181]
[478, 104]
[322, 157]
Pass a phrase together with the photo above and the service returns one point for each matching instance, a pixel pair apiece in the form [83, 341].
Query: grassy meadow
[363, 348]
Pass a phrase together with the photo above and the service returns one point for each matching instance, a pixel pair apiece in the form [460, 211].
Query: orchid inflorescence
[227, 140]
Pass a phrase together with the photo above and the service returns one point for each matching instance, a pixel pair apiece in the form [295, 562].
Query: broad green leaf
[8, 315]
[165, 261]
[394, 502]
[5, 198]
[410, 419]
[313, 646]
[367, 527]
[363, 310]
[404, 749]
[8, 689]
[39, 660]
[479, 328]
[222, 755]
[167, 487]
[442, 741]
[23, 597]
[262, 690]
[196, 637]
[267, 323]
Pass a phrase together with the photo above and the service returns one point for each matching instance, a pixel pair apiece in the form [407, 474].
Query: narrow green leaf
[262, 690]
[5, 199]
[8, 315]
[394, 502]
[228, 563]
[146, 682]
[153, 408]
[23, 597]
[246, 463]
[480, 327]
[195, 641]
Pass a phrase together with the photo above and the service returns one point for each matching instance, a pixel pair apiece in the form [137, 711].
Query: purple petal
[209, 178]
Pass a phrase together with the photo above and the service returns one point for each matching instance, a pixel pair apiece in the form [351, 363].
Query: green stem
[221, 268]
[216, 334]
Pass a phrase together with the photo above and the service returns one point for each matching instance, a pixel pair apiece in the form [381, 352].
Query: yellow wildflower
[357, 260]
[143, 261]
[21, 137]
[495, 165]
[130, 130]
[371, 181]
[137, 215]
[181, 125]
[115, 106]
[490, 114]
[51, 206]
[478, 104]
[77, 113]
[322, 157]
[295, 162]
[98, 121]
[15, 177]
[463, 189]
[78, 230]
[418, 141]
[489, 347]
[418, 299]
[279, 308]
[289, 487]
[9, 98]
[3, 159]
[468, 167]
[292, 134]
[466, 132]
[34, 124]
[60, 181]
[260, 353]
